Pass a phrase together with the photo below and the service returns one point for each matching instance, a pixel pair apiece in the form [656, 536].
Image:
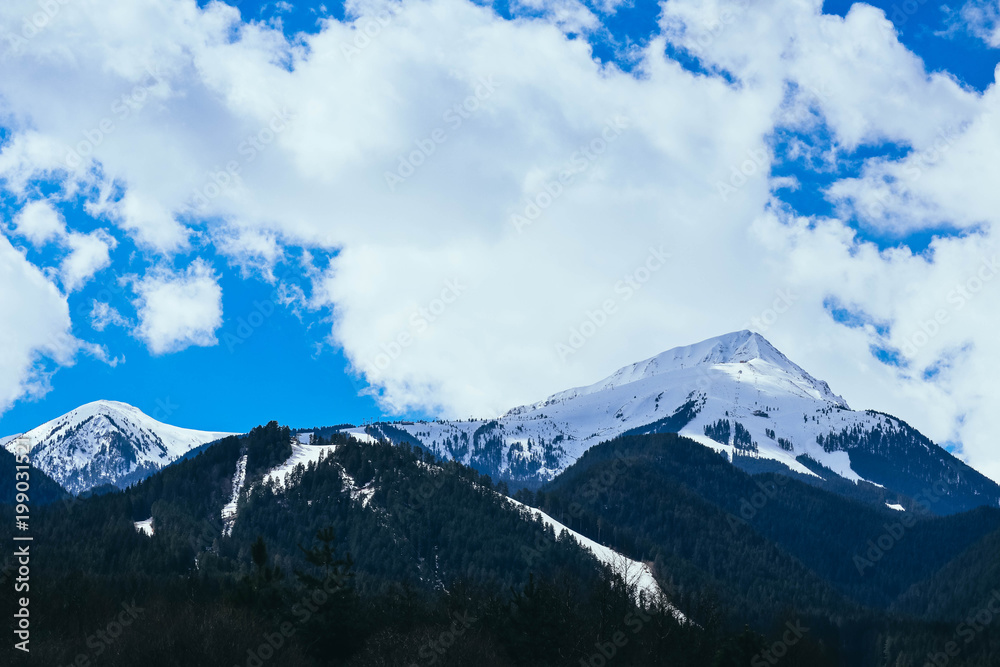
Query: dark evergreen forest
[381, 554]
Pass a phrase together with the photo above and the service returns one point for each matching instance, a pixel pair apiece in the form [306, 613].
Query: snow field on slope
[229, 509]
[145, 526]
[634, 572]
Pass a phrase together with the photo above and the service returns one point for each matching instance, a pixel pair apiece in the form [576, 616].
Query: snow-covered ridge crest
[739, 347]
[735, 393]
[739, 378]
[108, 442]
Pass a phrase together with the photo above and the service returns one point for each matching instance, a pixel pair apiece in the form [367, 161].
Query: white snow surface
[895, 506]
[724, 352]
[229, 509]
[360, 434]
[362, 494]
[145, 526]
[738, 377]
[81, 449]
[301, 455]
[634, 572]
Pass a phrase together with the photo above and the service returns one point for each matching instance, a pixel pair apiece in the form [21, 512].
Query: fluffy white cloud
[35, 331]
[39, 223]
[86, 254]
[178, 309]
[150, 223]
[948, 183]
[854, 71]
[941, 310]
[486, 188]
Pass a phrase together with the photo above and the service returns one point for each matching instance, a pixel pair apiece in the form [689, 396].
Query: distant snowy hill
[107, 442]
[735, 393]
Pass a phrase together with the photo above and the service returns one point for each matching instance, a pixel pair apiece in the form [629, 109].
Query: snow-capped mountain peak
[108, 442]
[735, 393]
[739, 347]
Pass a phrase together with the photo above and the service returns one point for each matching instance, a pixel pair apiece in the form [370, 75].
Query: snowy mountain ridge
[735, 393]
[738, 347]
[107, 442]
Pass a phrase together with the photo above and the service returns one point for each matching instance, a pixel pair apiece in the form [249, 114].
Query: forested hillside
[381, 554]
[768, 548]
[357, 579]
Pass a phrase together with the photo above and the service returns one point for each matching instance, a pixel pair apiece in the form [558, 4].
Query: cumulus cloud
[39, 223]
[35, 332]
[88, 254]
[947, 183]
[85, 254]
[178, 309]
[485, 189]
[864, 83]
[151, 225]
[934, 312]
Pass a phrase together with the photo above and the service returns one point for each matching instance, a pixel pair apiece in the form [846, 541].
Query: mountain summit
[740, 347]
[107, 442]
[735, 393]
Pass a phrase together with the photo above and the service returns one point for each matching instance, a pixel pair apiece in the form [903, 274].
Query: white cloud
[570, 16]
[981, 18]
[35, 329]
[40, 223]
[88, 254]
[866, 85]
[151, 225]
[103, 315]
[249, 143]
[610, 6]
[253, 251]
[28, 155]
[942, 308]
[949, 183]
[178, 310]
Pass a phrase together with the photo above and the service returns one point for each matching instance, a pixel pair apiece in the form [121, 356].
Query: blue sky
[281, 297]
[270, 362]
